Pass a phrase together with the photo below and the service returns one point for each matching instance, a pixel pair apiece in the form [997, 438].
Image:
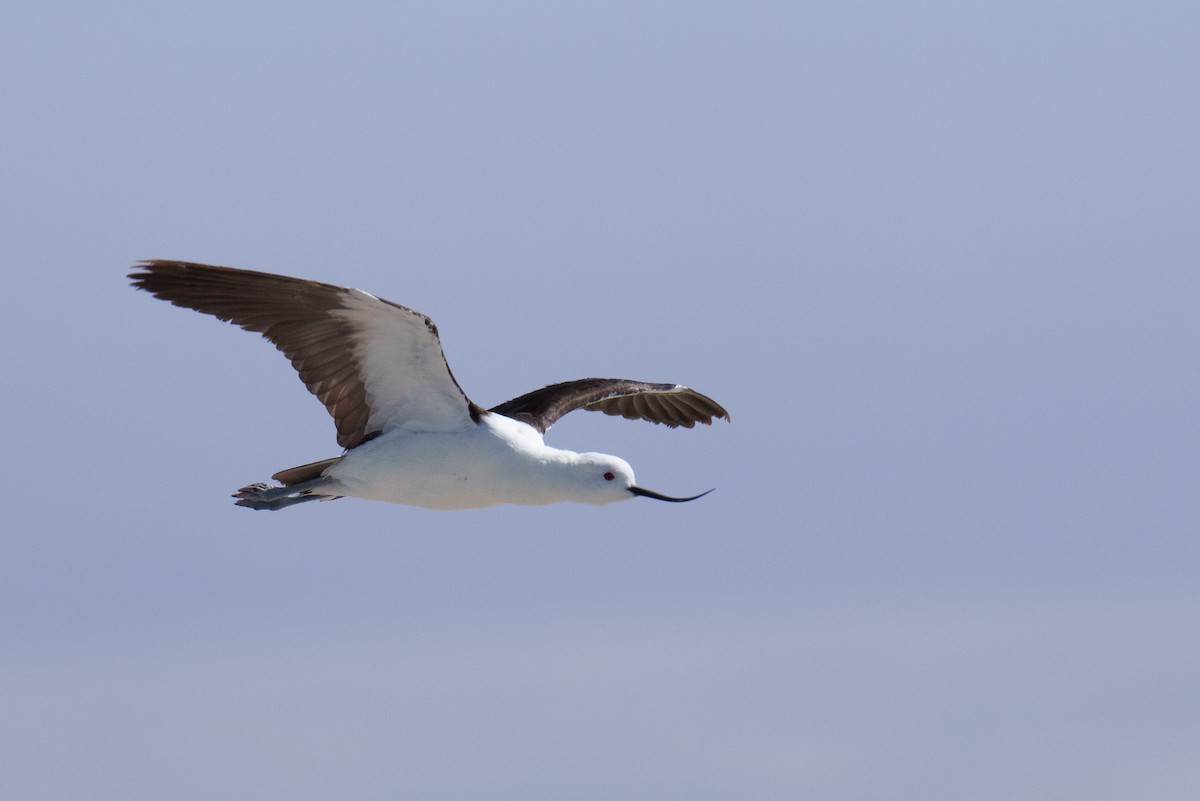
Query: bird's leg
[264, 496]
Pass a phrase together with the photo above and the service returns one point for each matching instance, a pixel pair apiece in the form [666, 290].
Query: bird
[409, 433]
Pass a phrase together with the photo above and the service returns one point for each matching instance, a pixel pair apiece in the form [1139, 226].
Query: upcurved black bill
[645, 493]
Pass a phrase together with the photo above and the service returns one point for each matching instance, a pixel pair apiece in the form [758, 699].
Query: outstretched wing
[669, 404]
[375, 365]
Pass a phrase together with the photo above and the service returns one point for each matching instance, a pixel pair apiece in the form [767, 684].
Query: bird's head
[601, 478]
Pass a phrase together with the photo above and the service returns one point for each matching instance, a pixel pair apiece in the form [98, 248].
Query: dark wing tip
[144, 272]
[148, 268]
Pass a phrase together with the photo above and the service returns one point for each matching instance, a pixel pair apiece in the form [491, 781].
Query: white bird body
[499, 460]
[410, 433]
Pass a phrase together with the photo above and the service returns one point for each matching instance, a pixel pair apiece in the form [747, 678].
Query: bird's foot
[265, 496]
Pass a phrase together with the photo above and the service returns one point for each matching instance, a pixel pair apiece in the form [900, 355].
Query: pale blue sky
[939, 262]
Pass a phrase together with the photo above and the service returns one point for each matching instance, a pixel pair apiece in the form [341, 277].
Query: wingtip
[145, 269]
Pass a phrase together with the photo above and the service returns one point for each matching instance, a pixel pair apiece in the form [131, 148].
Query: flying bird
[410, 434]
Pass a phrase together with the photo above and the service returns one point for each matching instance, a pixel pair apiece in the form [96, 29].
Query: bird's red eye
[609, 476]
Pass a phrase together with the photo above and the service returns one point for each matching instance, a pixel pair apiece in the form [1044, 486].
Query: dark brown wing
[669, 404]
[372, 363]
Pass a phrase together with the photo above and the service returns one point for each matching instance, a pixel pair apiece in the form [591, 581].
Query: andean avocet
[410, 434]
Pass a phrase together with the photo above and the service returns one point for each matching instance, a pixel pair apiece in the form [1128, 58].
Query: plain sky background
[941, 262]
